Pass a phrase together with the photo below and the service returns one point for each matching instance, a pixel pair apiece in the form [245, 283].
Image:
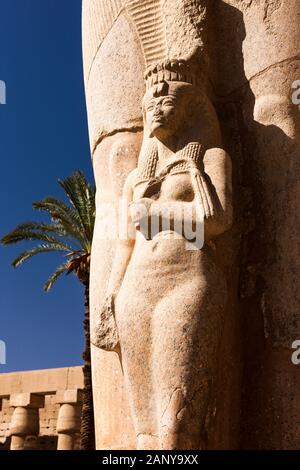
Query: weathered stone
[68, 396]
[29, 420]
[29, 400]
[181, 66]
[68, 425]
[245, 54]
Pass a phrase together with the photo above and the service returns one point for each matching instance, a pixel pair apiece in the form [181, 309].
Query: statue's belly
[161, 264]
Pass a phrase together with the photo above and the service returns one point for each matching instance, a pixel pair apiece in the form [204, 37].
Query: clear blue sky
[43, 137]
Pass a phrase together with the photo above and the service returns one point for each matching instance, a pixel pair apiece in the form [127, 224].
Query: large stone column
[120, 40]
[253, 51]
[256, 62]
[69, 415]
[25, 425]
[271, 403]
[113, 67]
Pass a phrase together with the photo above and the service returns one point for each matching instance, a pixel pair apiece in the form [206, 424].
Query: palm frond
[70, 230]
[42, 227]
[18, 235]
[82, 198]
[79, 264]
[64, 215]
[22, 257]
[57, 273]
[88, 207]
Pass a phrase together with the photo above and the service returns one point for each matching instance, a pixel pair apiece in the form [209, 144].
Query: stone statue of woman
[166, 296]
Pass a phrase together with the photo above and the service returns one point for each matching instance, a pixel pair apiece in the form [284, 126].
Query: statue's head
[176, 112]
[170, 97]
[165, 108]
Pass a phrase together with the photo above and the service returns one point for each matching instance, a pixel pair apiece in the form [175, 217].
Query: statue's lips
[158, 120]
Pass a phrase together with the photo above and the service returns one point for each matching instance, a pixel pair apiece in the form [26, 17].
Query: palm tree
[70, 231]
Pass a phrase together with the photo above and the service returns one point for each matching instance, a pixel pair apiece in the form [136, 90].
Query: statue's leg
[187, 326]
[133, 316]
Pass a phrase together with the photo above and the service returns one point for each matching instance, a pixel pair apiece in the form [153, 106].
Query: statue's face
[165, 109]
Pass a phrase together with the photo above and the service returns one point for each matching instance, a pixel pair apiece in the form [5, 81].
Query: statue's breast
[177, 187]
[173, 187]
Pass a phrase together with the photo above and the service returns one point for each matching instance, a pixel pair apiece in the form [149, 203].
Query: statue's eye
[150, 107]
[168, 102]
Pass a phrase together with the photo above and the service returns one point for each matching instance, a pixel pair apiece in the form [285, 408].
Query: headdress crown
[171, 71]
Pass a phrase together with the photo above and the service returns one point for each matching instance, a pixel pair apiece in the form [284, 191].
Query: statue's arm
[218, 168]
[104, 333]
[125, 245]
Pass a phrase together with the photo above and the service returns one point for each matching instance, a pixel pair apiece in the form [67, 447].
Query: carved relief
[164, 304]
[148, 19]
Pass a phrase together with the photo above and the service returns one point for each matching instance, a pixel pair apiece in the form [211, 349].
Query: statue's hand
[105, 333]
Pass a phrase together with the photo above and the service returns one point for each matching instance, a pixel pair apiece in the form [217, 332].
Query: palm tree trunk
[87, 418]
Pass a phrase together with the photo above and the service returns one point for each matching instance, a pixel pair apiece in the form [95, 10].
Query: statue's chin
[160, 131]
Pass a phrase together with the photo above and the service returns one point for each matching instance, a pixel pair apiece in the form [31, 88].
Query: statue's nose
[157, 110]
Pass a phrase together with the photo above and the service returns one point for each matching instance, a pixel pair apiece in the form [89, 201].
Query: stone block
[27, 400]
[69, 396]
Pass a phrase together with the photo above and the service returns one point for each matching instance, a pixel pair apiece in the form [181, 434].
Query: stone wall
[53, 388]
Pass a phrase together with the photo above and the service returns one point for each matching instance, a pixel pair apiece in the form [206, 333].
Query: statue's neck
[192, 151]
[166, 149]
